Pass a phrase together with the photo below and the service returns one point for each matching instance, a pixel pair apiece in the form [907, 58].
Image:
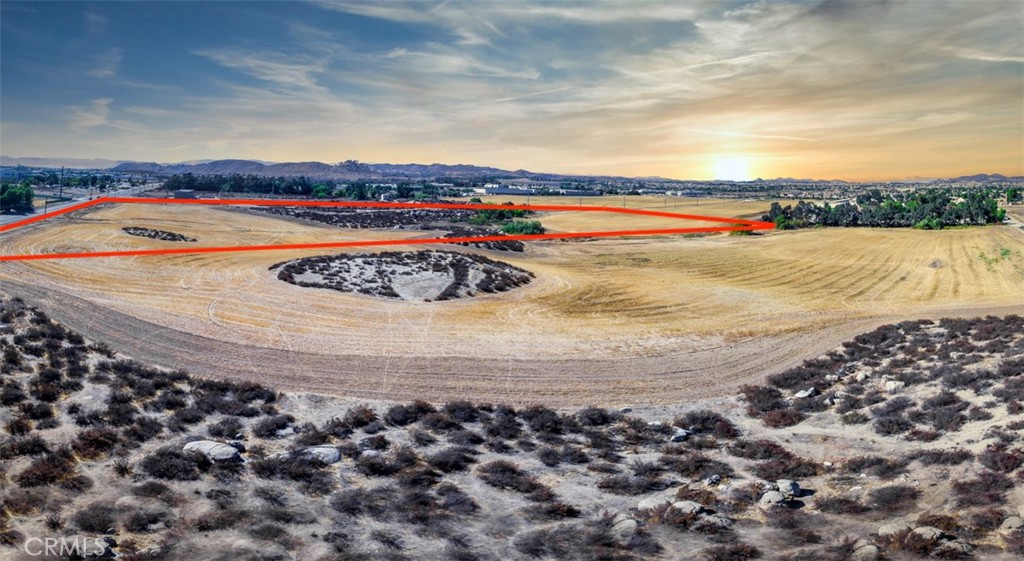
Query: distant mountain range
[353, 170]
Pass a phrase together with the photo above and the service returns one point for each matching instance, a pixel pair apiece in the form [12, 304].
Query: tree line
[927, 209]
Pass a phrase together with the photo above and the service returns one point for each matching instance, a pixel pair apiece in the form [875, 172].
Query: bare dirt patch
[406, 275]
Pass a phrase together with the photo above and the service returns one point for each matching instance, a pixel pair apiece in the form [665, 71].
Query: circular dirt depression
[405, 275]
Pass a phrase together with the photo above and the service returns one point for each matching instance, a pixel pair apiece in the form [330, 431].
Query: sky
[854, 90]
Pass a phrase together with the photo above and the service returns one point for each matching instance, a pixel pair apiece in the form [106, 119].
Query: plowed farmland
[614, 321]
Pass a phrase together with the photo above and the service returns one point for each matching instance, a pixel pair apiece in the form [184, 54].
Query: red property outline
[737, 225]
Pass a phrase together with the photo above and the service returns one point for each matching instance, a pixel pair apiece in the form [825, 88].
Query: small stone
[809, 392]
[626, 410]
[680, 435]
[712, 479]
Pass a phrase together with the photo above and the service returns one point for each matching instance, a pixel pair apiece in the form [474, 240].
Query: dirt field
[627, 321]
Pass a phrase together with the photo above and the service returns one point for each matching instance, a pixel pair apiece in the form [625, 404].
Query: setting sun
[732, 169]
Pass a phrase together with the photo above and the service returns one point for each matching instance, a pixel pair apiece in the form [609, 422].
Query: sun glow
[732, 169]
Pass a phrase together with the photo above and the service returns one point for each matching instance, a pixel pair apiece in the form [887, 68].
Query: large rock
[325, 453]
[214, 451]
[891, 529]
[930, 533]
[788, 488]
[771, 498]
[802, 394]
[651, 502]
[893, 386]
[688, 507]
[624, 529]
[866, 552]
[1012, 523]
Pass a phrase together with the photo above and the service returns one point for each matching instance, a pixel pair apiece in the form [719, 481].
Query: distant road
[9, 218]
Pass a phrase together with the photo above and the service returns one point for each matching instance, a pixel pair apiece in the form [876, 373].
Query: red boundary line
[738, 225]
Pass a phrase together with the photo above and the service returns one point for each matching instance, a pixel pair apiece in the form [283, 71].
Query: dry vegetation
[169, 466]
[613, 322]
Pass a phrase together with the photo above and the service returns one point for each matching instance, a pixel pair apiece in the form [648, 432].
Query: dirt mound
[408, 275]
[156, 234]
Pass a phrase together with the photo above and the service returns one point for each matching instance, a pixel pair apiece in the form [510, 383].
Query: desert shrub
[465, 438]
[269, 532]
[421, 437]
[123, 467]
[891, 424]
[987, 519]
[439, 422]
[169, 463]
[228, 427]
[988, 488]
[876, 466]
[839, 505]
[303, 469]
[402, 415]
[758, 450]
[624, 484]
[893, 498]
[786, 468]
[854, 418]
[506, 475]
[731, 552]
[700, 495]
[97, 518]
[144, 428]
[707, 421]
[374, 427]
[503, 424]
[139, 521]
[220, 519]
[596, 417]
[37, 411]
[377, 502]
[55, 467]
[542, 420]
[945, 457]
[944, 522]
[23, 446]
[94, 442]
[999, 457]
[976, 413]
[12, 394]
[456, 458]
[780, 418]
[268, 428]
[360, 416]
[762, 399]
[799, 377]
[462, 411]
[696, 466]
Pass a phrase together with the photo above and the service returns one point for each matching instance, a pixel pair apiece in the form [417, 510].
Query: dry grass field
[617, 321]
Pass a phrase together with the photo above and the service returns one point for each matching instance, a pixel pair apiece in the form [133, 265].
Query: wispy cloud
[85, 118]
[106, 64]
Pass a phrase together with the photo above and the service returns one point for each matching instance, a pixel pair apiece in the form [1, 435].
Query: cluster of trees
[489, 216]
[928, 209]
[16, 198]
[523, 227]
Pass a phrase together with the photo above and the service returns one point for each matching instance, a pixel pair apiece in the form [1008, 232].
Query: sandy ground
[614, 322]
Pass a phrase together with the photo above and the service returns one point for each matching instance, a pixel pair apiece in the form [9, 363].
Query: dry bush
[875, 465]
[696, 466]
[506, 475]
[758, 450]
[623, 484]
[731, 552]
[988, 488]
[945, 457]
[1001, 458]
[786, 468]
[170, 463]
[456, 458]
[893, 498]
[94, 442]
[839, 505]
[55, 467]
[268, 428]
[97, 518]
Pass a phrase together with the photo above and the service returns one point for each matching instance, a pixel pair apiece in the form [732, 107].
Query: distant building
[184, 194]
[495, 190]
[580, 193]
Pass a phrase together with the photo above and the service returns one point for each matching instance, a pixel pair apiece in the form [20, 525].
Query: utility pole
[62, 182]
